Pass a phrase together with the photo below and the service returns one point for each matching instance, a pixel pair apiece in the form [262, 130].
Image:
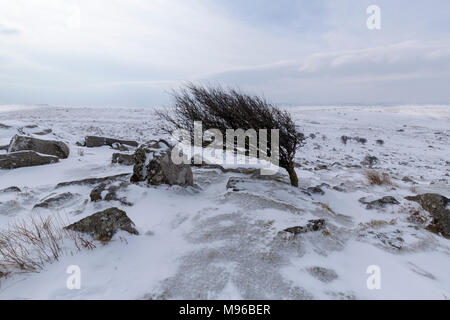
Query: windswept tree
[222, 109]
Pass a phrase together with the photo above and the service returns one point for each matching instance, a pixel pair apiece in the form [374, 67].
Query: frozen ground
[210, 243]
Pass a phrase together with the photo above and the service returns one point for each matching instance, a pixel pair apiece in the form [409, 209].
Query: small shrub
[375, 178]
[27, 245]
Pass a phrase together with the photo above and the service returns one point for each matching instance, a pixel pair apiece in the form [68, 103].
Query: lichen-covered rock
[438, 207]
[153, 164]
[50, 147]
[105, 224]
[123, 159]
[93, 142]
[22, 159]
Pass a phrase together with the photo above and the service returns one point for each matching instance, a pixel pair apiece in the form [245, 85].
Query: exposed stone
[380, 203]
[119, 147]
[50, 147]
[316, 190]
[123, 159]
[10, 190]
[105, 224]
[323, 274]
[93, 181]
[93, 142]
[57, 201]
[43, 132]
[4, 148]
[110, 193]
[22, 159]
[408, 179]
[4, 126]
[233, 183]
[153, 164]
[438, 207]
[312, 226]
[370, 161]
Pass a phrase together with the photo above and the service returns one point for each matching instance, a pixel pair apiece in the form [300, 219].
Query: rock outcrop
[438, 207]
[94, 142]
[105, 224]
[22, 159]
[54, 148]
[153, 164]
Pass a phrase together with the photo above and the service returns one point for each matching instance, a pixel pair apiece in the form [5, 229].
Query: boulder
[105, 224]
[22, 159]
[123, 159]
[93, 142]
[153, 164]
[438, 207]
[50, 147]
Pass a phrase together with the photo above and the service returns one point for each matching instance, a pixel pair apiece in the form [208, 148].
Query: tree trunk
[292, 176]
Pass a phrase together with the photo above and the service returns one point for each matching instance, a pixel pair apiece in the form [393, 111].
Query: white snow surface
[212, 243]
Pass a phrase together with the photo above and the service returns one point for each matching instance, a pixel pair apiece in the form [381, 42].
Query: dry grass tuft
[27, 245]
[376, 178]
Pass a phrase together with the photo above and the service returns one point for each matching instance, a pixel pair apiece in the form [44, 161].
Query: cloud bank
[130, 53]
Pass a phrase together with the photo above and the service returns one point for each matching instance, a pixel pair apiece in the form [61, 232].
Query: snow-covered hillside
[211, 242]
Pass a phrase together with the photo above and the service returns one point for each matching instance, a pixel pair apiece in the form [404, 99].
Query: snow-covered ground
[213, 243]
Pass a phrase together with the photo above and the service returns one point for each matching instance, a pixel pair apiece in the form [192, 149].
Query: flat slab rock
[105, 224]
[23, 159]
[92, 181]
[49, 147]
[94, 142]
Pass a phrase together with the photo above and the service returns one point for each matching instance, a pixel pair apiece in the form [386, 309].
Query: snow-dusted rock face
[22, 159]
[154, 165]
[437, 206]
[50, 147]
[105, 224]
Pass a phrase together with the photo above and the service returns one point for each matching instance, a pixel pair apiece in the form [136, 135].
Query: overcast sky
[132, 52]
